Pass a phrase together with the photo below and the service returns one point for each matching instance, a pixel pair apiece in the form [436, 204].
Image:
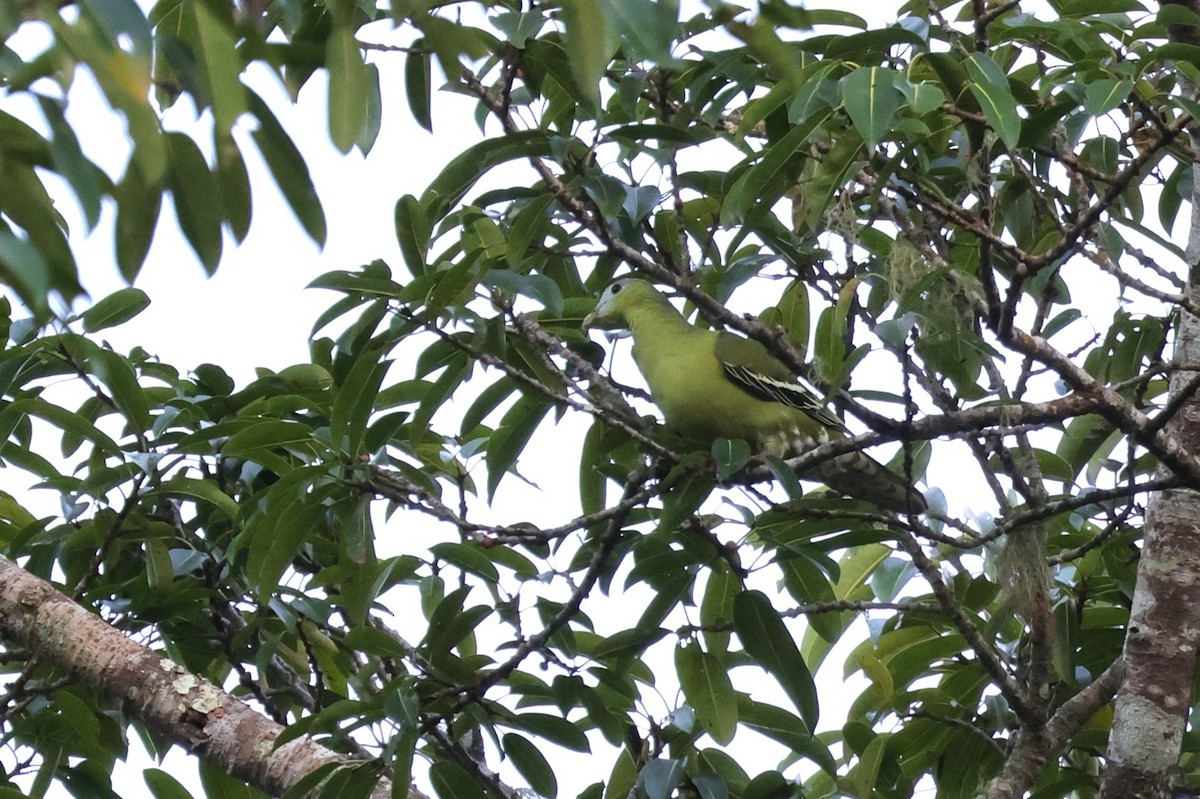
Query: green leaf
[121, 19]
[461, 174]
[683, 499]
[780, 725]
[263, 435]
[587, 43]
[450, 781]
[751, 188]
[593, 458]
[646, 27]
[531, 764]
[222, 66]
[163, 785]
[234, 182]
[355, 400]
[59, 417]
[768, 641]
[276, 533]
[197, 199]
[418, 83]
[115, 309]
[871, 100]
[349, 83]
[537, 287]
[466, 557]
[794, 315]
[865, 773]
[730, 456]
[289, 170]
[510, 438]
[990, 86]
[356, 534]
[202, 490]
[554, 729]
[627, 642]
[1102, 96]
[716, 607]
[529, 222]
[26, 202]
[27, 271]
[660, 778]
[412, 231]
[351, 782]
[707, 688]
[923, 97]
[117, 374]
[855, 569]
[405, 748]
[138, 204]
[830, 341]
[373, 97]
[84, 176]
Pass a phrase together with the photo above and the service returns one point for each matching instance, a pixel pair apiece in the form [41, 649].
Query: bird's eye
[616, 287]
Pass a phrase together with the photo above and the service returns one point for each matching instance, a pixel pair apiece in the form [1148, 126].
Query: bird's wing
[748, 365]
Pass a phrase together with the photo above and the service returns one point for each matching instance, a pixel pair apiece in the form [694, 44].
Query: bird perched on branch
[712, 385]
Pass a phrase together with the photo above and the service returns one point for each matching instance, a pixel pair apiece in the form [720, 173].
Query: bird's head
[621, 296]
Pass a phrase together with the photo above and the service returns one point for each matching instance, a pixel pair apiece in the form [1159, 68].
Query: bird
[711, 384]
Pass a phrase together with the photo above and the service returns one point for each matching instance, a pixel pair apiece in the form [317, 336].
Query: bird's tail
[859, 475]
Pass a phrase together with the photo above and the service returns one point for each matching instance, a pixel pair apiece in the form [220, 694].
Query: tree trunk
[1160, 645]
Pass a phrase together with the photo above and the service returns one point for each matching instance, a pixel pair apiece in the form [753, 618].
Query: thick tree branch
[1032, 749]
[184, 707]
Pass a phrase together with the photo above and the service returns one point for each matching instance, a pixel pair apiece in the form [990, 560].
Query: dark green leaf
[197, 199]
[222, 66]
[349, 84]
[163, 785]
[115, 309]
[554, 729]
[1105, 94]
[587, 42]
[531, 764]
[289, 170]
[354, 401]
[707, 688]
[59, 417]
[452, 782]
[730, 456]
[767, 640]
[467, 557]
[412, 231]
[234, 182]
[660, 777]
[751, 188]
[418, 83]
[460, 174]
[989, 84]
[117, 375]
[138, 205]
[203, 490]
[871, 100]
[511, 436]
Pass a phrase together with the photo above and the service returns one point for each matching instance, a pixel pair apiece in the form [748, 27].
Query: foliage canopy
[957, 223]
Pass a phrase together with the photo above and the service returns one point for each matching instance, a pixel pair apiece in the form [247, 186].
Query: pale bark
[1155, 697]
[186, 708]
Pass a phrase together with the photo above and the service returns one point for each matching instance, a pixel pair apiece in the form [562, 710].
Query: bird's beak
[589, 321]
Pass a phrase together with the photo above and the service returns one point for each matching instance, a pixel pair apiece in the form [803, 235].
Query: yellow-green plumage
[716, 385]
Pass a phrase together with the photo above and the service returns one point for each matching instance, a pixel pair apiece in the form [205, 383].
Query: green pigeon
[712, 385]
